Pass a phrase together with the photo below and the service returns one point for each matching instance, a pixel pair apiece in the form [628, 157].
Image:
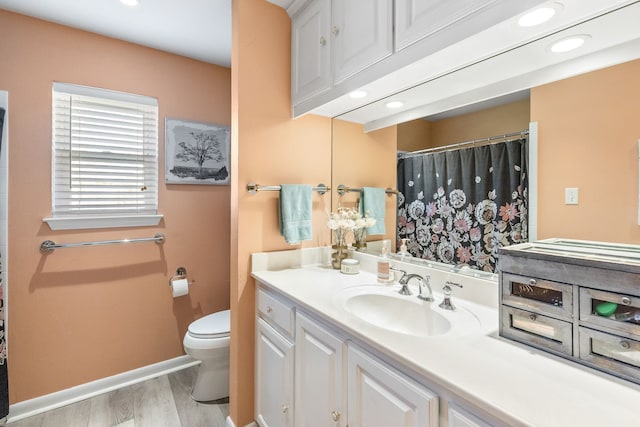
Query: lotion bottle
[385, 275]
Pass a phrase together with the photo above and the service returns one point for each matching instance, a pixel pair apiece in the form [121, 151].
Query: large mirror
[583, 163]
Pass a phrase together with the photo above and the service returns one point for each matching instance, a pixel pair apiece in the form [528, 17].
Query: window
[105, 158]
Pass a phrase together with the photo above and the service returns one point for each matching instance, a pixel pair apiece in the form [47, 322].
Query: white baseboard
[230, 423]
[65, 397]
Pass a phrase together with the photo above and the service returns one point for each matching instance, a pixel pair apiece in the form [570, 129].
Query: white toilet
[208, 340]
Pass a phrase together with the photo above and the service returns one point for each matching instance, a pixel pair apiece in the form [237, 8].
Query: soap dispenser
[385, 275]
[403, 253]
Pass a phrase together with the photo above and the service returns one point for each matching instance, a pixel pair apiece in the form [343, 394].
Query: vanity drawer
[624, 318]
[276, 312]
[544, 296]
[611, 353]
[538, 330]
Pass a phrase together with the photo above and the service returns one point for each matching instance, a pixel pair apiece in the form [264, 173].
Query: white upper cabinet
[332, 40]
[361, 35]
[311, 51]
[417, 19]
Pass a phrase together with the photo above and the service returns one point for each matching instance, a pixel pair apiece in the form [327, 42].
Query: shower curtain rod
[481, 141]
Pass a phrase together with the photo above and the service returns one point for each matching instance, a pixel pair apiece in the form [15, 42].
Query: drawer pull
[335, 415]
[533, 317]
[285, 408]
[269, 309]
[625, 344]
[533, 282]
[626, 300]
[323, 41]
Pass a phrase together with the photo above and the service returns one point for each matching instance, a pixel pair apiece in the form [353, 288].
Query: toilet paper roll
[179, 287]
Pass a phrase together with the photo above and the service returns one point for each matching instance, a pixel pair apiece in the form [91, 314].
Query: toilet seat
[214, 325]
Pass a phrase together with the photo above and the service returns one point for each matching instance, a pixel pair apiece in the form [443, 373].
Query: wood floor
[160, 402]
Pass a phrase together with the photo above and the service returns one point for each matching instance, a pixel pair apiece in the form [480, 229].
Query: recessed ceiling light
[394, 104]
[569, 43]
[358, 94]
[130, 2]
[539, 16]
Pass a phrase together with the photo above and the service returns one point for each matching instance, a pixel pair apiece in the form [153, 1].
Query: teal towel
[295, 213]
[372, 204]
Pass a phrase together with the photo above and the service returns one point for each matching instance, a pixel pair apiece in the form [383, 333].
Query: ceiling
[198, 29]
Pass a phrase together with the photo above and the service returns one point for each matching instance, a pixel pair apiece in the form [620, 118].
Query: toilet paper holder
[181, 273]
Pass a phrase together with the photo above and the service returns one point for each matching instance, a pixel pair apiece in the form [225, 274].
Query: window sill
[88, 222]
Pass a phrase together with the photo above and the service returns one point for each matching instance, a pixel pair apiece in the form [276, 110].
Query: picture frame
[197, 152]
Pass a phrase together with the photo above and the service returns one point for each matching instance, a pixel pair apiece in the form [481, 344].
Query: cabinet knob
[269, 309]
[285, 408]
[533, 317]
[335, 415]
[625, 344]
[335, 31]
[532, 282]
[323, 41]
[626, 300]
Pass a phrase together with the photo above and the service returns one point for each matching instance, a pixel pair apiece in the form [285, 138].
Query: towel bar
[48, 246]
[343, 189]
[253, 188]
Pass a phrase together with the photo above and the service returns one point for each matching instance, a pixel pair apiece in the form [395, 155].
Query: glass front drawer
[535, 329]
[555, 299]
[612, 353]
[614, 311]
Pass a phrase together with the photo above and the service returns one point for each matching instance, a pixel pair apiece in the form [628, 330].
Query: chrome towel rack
[343, 189]
[49, 246]
[253, 188]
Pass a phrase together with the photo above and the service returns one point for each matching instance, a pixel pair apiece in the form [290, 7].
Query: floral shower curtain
[460, 206]
[4, 383]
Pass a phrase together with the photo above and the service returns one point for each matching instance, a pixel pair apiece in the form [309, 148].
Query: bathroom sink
[382, 307]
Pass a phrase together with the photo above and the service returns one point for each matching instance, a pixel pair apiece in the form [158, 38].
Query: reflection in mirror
[588, 136]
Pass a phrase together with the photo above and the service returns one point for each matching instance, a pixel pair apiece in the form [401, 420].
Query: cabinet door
[320, 386]
[380, 397]
[310, 51]
[416, 19]
[458, 417]
[274, 377]
[361, 35]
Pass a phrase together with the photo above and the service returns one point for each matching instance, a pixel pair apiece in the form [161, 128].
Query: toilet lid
[214, 325]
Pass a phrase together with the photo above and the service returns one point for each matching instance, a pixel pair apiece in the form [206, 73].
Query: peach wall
[83, 314]
[269, 148]
[365, 160]
[414, 135]
[588, 138]
[508, 118]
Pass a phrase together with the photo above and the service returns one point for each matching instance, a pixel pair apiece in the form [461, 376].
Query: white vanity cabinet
[320, 394]
[274, 379]
[321, 378]
[458, 417]
[332, 40]
[381, 397]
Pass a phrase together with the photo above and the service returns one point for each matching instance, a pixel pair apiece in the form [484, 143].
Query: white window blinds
[105, 152]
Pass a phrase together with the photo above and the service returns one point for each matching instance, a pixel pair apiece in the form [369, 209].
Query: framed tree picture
[196, 153]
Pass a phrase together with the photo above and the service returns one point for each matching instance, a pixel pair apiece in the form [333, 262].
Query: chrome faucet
[422, 284]
[446, 291]
[404, 281]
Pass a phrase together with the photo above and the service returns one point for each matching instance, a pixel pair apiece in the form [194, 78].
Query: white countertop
[514, 383]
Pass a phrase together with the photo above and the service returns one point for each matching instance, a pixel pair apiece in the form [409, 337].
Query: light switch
[570, 196]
